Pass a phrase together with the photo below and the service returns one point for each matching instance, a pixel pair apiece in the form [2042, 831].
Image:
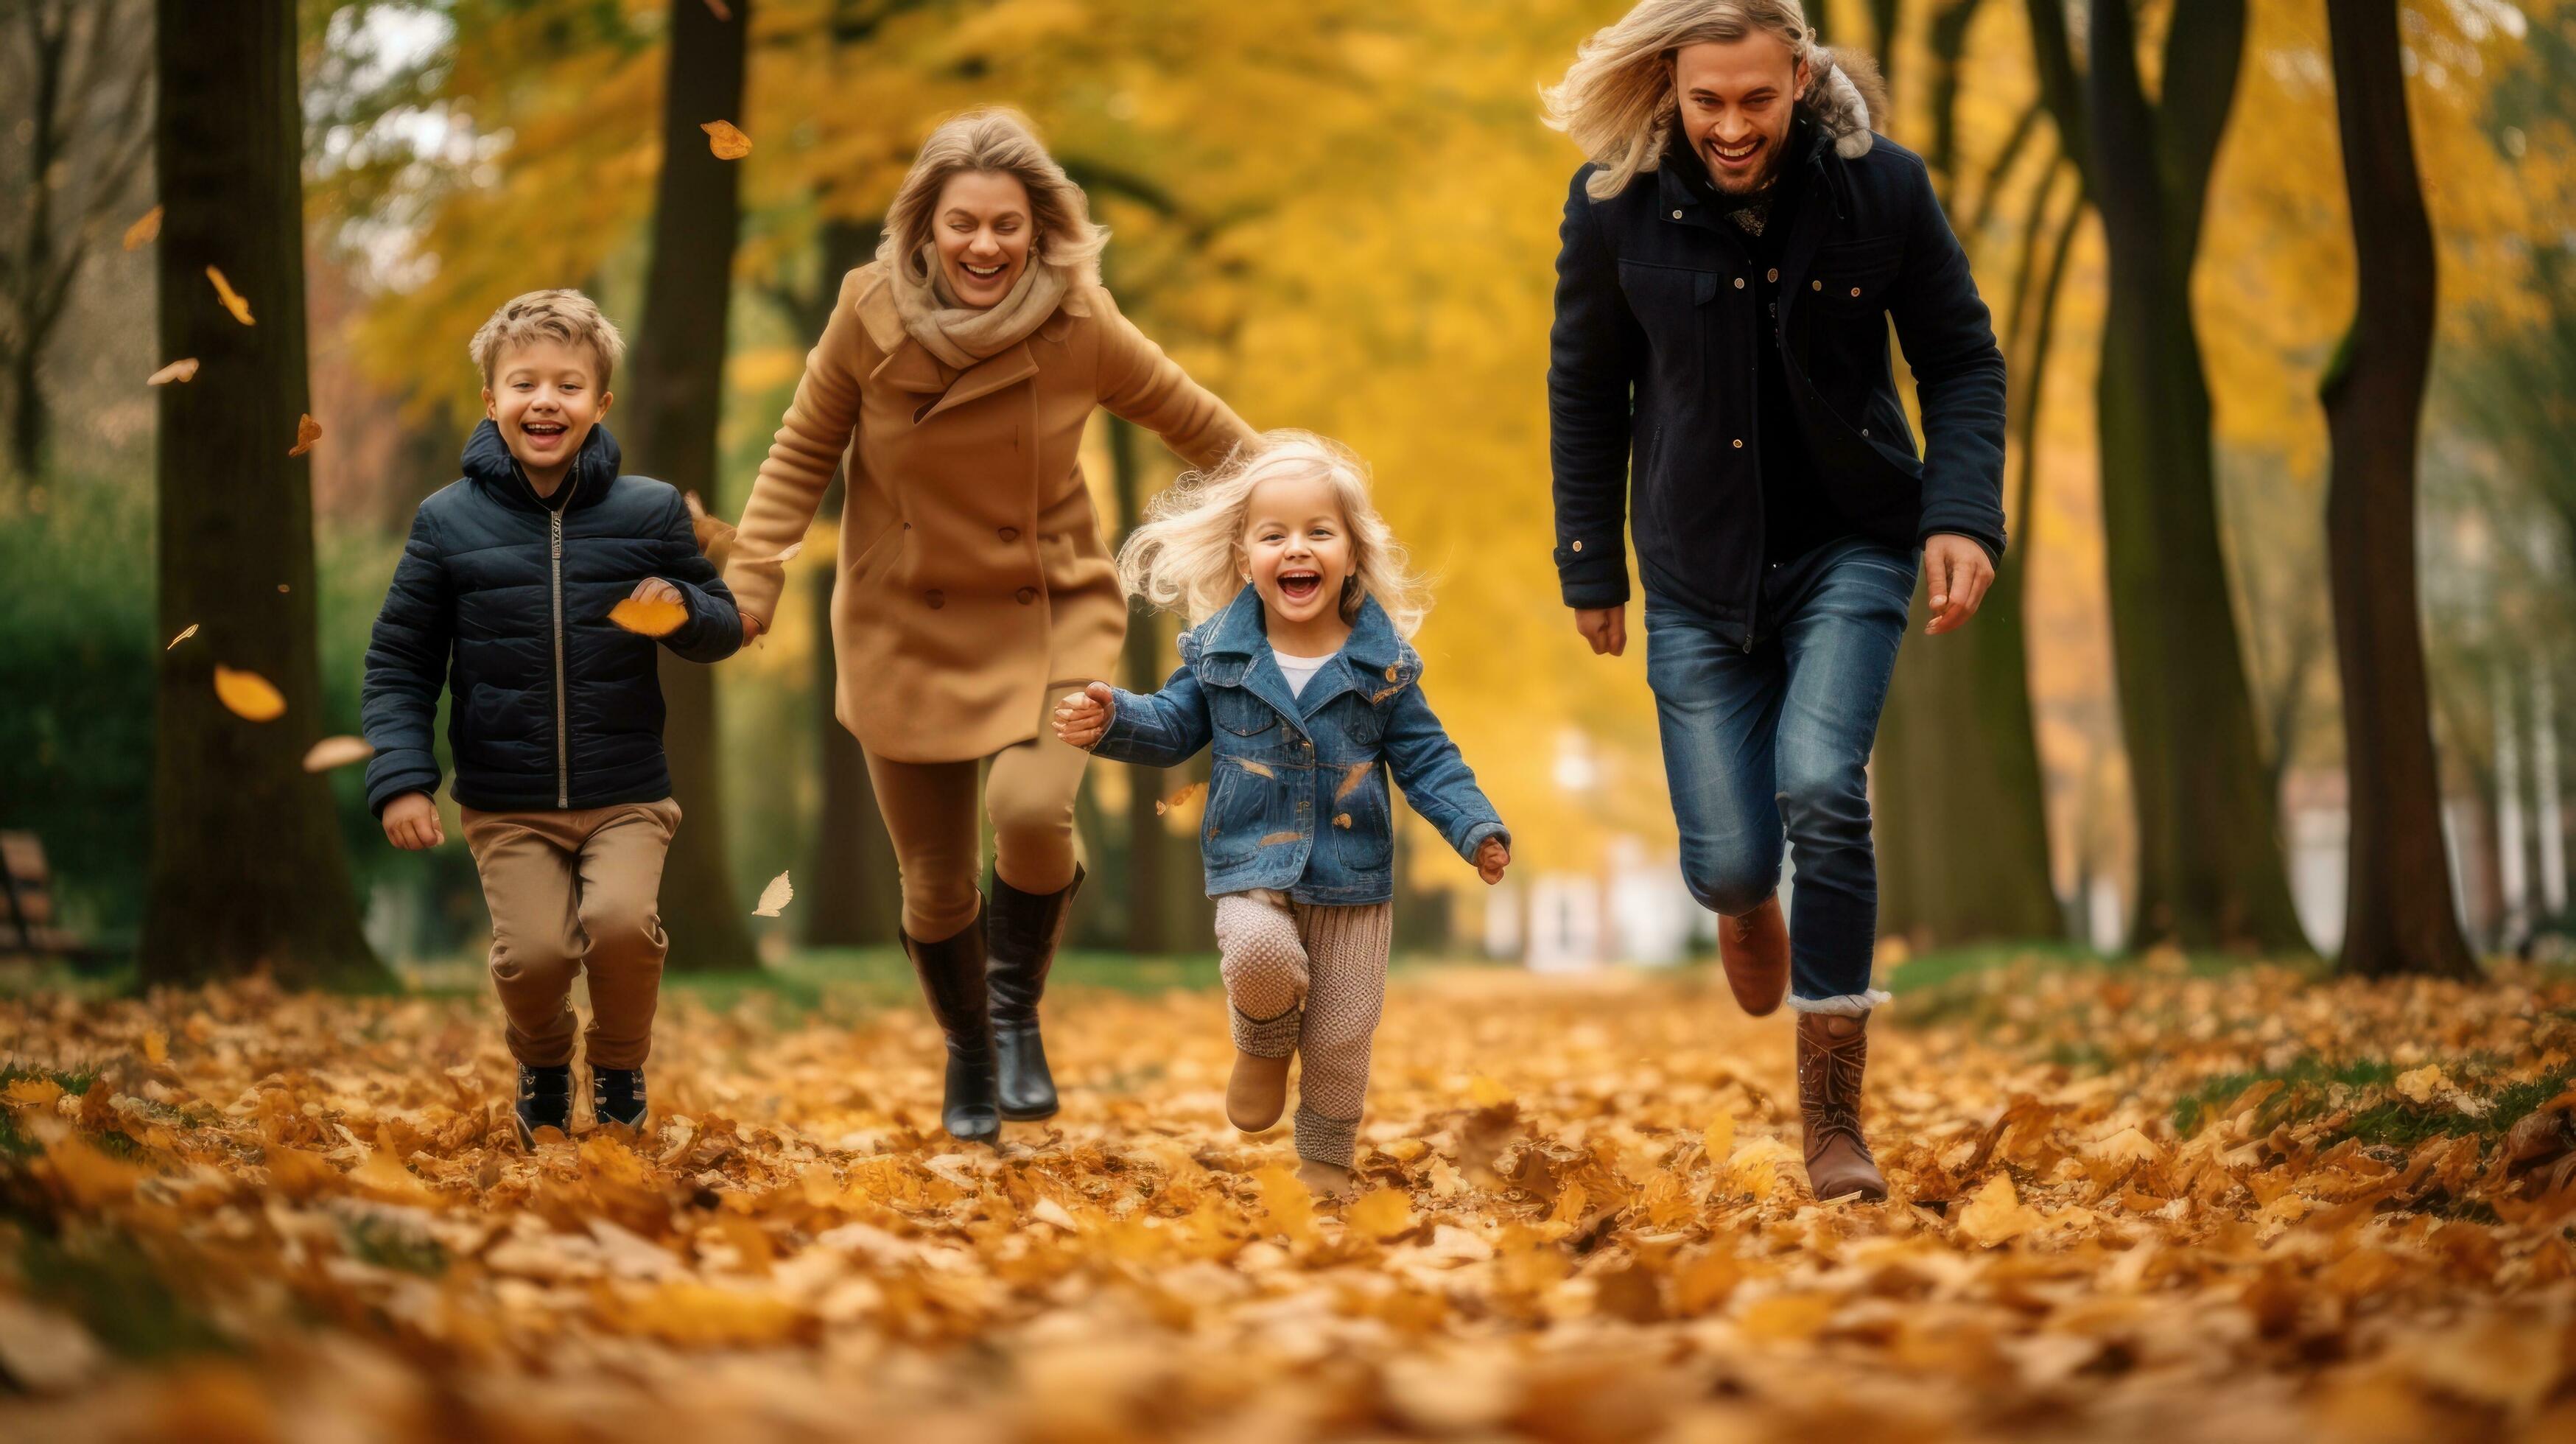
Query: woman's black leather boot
[1024, 929]
[952, 978]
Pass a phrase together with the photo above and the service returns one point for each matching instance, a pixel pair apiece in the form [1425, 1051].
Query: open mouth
[542, 433]
[1300, 584]
[984, 273]
[1739, 154]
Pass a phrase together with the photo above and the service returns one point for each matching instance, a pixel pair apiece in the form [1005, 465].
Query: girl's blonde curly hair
[1188, 556]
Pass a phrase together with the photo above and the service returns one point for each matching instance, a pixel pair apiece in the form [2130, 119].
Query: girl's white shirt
[1300, 670]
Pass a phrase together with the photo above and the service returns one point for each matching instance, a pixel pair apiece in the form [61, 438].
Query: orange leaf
[719, 9]
[1380, 1213]
[726, 142]
[184, 369]
[307, 432]
[649, 618]
[248, 695]
[1177, 799]
[333, 752]
[141, 233]
[232, 299]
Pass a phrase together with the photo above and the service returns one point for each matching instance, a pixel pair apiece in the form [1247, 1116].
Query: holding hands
[411, 823]
[1491, 858]
[1082, 718]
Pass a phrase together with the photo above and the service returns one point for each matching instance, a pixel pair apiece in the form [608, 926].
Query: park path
[2130, 1203]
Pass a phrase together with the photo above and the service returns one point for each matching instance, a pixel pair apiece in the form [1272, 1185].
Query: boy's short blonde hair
[557, 315]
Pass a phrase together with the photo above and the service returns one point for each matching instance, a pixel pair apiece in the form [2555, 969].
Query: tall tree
[674, 401]
[2398, 911]
[2210, 871]
[247, 870]
[1957, 752]
[81, 71]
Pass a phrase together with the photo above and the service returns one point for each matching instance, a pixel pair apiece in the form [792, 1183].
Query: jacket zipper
[563, 738]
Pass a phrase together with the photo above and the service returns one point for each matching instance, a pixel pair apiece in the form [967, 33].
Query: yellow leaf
[384, 1175]
[1787, 1316]
[1288, 1206]
[2424, 1084]
[184, 634]
[307, 432]
[156, 1046]
[775, 897]
[183, 369]
[1996, 1214]
[726, 142]
[333, 752]
[649, 618]
[1719, 1140]
[1379, 1213]
[32, 1093]
[1484, 1092]
[144, 229]
[232, 299]
[248, 695]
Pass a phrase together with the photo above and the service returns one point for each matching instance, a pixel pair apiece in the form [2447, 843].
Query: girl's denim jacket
[1297, 797]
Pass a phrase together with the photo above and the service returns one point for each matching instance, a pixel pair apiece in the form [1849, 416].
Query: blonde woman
[1732, 252]
[1297, 670]
[958, 372]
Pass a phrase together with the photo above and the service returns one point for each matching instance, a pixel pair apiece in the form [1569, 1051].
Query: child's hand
[654, 589]
[411, 823]
[1082, 718]
[1491, 859]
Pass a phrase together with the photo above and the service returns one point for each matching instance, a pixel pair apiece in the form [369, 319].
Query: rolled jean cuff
[1267, 1037]
[1847, 1005]
[1326, 1140]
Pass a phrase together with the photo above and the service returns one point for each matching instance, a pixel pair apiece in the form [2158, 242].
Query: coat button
[1819, 285]
[1028, 595]
[1739, 283]
[1578, 546]
[1771, 275]
[1677, 215]
[1010, 533]
[936, 598]
[1739, 443]
[1855, 290]
[1390, 672]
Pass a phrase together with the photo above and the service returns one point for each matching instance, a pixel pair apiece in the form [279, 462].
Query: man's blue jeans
[1775, 741]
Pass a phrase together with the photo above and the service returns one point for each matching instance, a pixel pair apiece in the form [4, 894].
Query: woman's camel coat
[974, 582]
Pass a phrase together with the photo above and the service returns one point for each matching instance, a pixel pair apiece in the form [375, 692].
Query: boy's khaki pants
[568, 891]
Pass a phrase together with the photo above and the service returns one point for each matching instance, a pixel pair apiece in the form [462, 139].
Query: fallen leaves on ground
[2128, 1204]
[648, 616]
[246, 695]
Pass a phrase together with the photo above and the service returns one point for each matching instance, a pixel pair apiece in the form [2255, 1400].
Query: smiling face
[1297, 546]
[984, 230]
[545, 395]
[1736, 101]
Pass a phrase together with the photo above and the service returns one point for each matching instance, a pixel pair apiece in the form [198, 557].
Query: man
[1729, 262]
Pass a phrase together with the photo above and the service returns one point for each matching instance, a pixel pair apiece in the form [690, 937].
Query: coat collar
[1686, 203]
[908, 367]
[489, 465]
[1233, 650]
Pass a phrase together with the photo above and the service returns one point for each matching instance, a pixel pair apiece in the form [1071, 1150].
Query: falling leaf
[774, 898]
[726, 142]
[1177, 799]
[248, 695]
[307, 432]
[649, 617]
[1380, 1213]
[145, 228]
[183, 369]
[333, 752]
[720, 10]
[232, 299]
[185, 633]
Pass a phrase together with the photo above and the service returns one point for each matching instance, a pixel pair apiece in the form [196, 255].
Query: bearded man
[1731, 256]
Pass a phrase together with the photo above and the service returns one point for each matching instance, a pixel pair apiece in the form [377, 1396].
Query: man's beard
[1759, 186]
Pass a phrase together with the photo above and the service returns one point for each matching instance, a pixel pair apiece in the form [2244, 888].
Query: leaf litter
[2128, 1204]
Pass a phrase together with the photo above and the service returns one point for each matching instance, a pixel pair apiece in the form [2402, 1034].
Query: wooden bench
[28, 925]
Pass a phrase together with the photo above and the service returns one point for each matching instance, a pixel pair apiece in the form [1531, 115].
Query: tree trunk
[2398, 911]
[2210, 871]
[1151, 924]
[677, 397]
[247, 870]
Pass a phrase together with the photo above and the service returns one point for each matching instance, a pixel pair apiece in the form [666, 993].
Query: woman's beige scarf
[960, 335]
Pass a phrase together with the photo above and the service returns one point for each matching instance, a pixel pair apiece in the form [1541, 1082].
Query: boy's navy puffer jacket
[503, 598]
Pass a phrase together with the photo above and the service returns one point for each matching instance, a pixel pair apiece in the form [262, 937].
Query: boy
[503, 595]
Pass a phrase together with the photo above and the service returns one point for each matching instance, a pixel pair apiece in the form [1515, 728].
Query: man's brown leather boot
[1833, 1051]
[1755, 951]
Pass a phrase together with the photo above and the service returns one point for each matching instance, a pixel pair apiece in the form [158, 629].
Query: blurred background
[1342, 216]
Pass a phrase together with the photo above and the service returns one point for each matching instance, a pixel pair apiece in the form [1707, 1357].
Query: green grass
[2310, 1090]
[107, 1281]
[2303, 1092]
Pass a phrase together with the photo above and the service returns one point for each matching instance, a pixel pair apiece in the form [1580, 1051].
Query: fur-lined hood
[1846, 98]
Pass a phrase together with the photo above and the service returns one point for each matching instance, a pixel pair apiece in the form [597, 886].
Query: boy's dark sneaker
[545, 1101]
[617, 1096]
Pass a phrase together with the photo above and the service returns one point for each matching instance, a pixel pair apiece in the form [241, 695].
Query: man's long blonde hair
[1188, 555]
[1001, 141]
[1617, 102]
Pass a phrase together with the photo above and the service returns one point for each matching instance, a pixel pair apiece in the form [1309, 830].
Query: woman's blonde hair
[1000, 141]
[1617, 103]
[1188, 555]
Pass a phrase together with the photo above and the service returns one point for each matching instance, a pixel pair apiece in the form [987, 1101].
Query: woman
[958, 371]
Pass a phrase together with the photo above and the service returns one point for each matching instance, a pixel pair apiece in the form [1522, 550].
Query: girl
[1296, 668]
